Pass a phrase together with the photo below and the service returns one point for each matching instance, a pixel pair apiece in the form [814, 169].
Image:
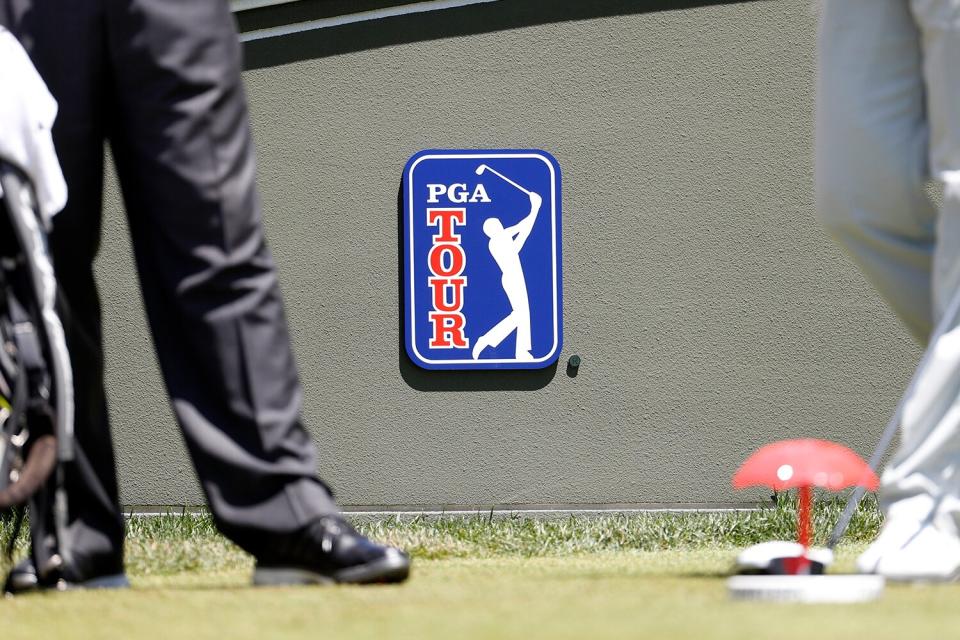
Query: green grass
[641, 594]
[651, 575]
[480, 537]
[172, 544]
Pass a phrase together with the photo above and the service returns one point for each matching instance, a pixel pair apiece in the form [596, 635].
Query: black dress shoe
[329, 550]
[23, 579]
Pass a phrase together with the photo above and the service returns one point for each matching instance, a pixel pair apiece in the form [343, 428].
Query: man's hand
[535, 201]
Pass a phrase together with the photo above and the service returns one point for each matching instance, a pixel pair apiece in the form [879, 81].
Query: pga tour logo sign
[482, 259]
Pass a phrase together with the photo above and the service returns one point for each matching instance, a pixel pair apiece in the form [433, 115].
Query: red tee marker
[804, 464]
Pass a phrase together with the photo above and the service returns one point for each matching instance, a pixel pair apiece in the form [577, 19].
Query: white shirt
[27, 112]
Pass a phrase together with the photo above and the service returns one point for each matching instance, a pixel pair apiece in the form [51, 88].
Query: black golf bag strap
[31, 371]
[26, 339]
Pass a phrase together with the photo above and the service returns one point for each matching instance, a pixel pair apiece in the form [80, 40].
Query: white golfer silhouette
[505, 245]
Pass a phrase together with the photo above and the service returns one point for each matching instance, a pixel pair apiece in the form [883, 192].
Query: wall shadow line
[448, 23]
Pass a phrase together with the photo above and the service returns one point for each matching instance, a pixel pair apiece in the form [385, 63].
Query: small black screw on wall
[573, 366]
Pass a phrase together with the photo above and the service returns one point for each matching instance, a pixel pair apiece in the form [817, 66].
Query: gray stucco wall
[711, 313]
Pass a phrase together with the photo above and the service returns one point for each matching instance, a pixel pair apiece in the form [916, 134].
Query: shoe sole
[388, 570]
[22, 585]
[908, 578]
[115, 581]
[922, 579]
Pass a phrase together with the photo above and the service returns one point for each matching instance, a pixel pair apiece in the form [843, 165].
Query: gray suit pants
[160, 80]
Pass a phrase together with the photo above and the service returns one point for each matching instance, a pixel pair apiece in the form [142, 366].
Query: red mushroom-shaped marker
[804, 464]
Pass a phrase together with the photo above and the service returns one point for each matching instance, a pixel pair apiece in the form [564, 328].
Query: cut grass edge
[177, 543]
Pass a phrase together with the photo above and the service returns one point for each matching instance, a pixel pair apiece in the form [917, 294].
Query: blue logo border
[408, 267]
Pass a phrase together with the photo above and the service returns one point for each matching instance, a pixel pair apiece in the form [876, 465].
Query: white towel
[27, 112]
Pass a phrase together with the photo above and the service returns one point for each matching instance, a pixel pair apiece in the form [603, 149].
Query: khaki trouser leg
[888, 116]
[871, 150]
[922, 482]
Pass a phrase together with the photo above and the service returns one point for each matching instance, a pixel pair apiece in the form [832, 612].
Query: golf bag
[36, 383]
